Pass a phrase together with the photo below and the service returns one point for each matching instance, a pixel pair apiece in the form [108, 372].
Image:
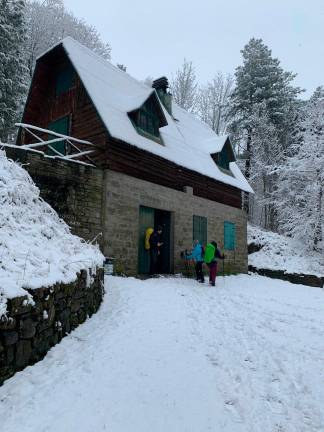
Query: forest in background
[278, 137]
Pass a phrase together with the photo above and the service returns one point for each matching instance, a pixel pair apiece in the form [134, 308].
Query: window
[148, 119]
[224, 158]
[200, 229]
[64, 80]
[229, 236]
[61, 126]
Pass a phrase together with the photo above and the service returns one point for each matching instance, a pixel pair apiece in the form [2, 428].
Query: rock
[10, 337]
[18, 306]
[27, 328]
[7, 323]
[23, 353]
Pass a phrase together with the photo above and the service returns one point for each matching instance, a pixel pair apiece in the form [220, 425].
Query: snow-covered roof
[188, 142]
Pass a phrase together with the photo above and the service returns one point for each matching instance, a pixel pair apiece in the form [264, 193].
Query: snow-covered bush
[36, 246]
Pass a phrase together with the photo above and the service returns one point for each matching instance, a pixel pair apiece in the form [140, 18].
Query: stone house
[151, 163]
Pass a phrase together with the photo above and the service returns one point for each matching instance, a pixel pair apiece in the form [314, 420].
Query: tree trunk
[247, 172]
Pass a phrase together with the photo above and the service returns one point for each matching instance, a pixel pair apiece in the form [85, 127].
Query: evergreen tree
[12, 64]
[260, 81]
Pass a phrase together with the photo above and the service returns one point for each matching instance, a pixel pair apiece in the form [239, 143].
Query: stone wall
[296, 278]
[123, 197]
[73, 190]
[28, 332]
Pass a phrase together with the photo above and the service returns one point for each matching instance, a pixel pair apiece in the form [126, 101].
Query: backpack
[209, 253]
[148, 233]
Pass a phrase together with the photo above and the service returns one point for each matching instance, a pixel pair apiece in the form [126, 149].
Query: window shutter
[200, 229]
[229, 235]
[61, 126]
[64, 81]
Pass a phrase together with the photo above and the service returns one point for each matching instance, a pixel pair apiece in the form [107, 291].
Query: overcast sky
[152, 37]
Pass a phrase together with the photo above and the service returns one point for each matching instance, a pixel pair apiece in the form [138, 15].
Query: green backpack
[209, 253]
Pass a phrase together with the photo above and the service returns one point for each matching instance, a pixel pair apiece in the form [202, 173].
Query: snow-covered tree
[48, 22]
[12, 64]
[184, 86]
[301, 212]
[266, 158]
[213, 102]
[261, 80]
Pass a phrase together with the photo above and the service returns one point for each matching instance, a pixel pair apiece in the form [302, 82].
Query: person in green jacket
[212, 253]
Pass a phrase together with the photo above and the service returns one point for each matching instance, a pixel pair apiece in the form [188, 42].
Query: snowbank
[279, 252]
[36, 246]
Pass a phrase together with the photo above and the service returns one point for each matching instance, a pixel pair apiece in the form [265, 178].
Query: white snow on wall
[36, 246]
[188, 142]
[283, 253]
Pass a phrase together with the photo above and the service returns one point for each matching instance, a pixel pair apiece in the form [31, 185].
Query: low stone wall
[300, 279]
[28, 332]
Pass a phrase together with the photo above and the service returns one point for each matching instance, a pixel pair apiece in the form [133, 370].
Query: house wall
[123, 195]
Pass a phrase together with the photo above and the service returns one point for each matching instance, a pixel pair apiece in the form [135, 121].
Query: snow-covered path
[170, 355]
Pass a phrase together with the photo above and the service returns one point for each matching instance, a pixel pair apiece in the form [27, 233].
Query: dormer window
[149, 118]
[224, 158]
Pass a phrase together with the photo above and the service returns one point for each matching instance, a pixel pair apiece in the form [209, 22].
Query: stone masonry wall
[73, 190]
[123, 197]
[28, 332]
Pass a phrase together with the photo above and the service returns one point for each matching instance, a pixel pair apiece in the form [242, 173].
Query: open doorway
[152, 218]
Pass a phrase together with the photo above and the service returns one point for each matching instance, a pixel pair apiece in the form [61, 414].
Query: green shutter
[64, 81]
[61, 126]
[229, 236]
[200, 229]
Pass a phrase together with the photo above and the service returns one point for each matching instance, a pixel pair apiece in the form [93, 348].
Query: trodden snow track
[169, 355]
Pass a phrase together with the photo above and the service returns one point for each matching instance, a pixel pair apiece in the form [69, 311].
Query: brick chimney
[161, 86]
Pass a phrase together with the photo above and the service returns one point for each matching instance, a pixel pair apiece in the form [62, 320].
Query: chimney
[161, 86]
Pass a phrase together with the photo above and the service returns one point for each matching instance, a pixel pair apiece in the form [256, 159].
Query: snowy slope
[279, 252]
[170, 355]
[36, 246]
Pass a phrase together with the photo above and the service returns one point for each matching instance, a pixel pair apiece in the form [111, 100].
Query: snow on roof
[188, 142]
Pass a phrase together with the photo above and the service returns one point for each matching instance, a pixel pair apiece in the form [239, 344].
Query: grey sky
[153, 37]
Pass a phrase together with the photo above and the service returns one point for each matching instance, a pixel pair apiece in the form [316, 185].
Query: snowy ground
[170, 355]
[279, 252]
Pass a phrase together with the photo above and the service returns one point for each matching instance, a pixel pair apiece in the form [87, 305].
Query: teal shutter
[200, 229]
[61, 126]
[64, 81]
[229, 236]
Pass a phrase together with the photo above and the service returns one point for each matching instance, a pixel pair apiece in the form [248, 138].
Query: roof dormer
[149, 118]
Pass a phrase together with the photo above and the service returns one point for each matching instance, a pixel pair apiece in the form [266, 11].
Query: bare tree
[213, 102]
[48, 22]
[184, 86]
